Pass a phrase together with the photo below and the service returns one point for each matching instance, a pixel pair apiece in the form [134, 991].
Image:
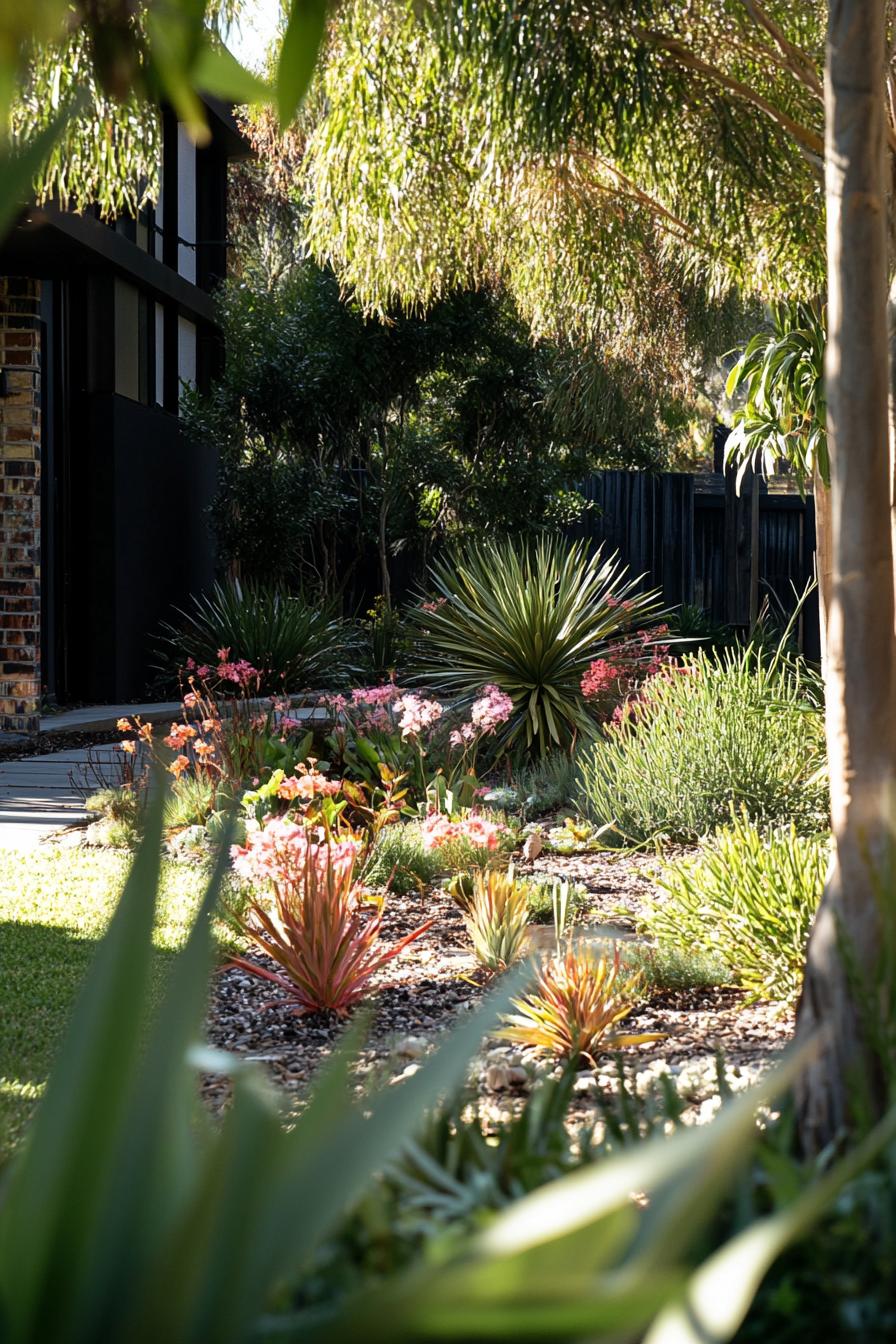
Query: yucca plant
[315, 926]
[497, 918]
[747, 902]
[578, 995]
[529, 619]
[294, 643]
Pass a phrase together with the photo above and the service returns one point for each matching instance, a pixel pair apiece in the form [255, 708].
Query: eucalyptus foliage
[619, 166]
[81, 86]
[528, 618]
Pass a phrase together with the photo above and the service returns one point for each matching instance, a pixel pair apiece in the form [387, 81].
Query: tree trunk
[861, 647]
[823, 556]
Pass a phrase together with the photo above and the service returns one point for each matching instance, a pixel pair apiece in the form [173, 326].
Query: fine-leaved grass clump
[743, 729]
[399, 861]
[747, 902]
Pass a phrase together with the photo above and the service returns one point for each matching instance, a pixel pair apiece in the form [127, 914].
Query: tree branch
[799, 61]
[803, 135]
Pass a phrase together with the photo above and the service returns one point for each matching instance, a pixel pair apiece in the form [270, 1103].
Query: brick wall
[20, 505]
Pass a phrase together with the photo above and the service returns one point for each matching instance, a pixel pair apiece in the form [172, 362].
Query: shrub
[529, 620]
[399, 861]
[748, 902]
[579, 994]
[316, 929]
[743, 729]
[497, 919]
[292, 642]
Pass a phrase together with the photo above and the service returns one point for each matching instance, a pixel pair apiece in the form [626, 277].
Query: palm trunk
[861, 646]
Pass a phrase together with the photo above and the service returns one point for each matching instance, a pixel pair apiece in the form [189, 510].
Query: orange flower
[204, 750]
[179, 736]
[123, 725]
[179, 765]
[146, 732]
[128, 745]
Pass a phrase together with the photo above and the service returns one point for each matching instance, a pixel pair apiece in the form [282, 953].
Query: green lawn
[54, 905]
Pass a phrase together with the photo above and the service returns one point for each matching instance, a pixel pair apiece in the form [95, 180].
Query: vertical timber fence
[701, 542]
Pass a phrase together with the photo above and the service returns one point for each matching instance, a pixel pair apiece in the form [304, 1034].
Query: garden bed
[436, 980]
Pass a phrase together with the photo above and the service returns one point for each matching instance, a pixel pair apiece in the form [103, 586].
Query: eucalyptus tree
[81, 84]
[607, 159]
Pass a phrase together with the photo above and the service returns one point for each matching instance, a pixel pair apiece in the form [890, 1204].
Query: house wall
[20, 444]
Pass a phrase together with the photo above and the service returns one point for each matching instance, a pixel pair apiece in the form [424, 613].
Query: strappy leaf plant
[528, 618]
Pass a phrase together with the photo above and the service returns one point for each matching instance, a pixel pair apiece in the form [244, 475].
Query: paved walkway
[41, 795]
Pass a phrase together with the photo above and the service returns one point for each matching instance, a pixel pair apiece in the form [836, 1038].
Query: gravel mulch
[421, 993]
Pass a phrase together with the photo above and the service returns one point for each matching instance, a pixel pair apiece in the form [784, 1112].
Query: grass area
[54, 905]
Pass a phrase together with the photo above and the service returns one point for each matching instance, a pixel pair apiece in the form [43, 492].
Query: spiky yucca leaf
[497, 918]
[528, 619]
[577, 997]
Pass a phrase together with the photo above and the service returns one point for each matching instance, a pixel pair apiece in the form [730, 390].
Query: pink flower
[203, 671]
[437, 830]
[482, 833]
[282, 852]
[307, 786]
[223, 655]
[190, 664]
[416, 714]
[493, 707]
[376, 695]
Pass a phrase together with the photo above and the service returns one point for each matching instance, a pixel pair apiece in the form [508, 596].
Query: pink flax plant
[318, 926]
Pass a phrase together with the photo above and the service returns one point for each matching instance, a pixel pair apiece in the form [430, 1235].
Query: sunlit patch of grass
[54, 905]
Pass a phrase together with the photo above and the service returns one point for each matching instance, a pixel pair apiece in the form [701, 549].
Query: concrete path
[103, 718]
[41, 795]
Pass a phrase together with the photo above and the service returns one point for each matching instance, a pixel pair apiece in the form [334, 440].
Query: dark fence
[700, 542]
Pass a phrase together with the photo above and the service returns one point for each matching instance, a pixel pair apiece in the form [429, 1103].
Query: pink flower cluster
[612, 682]
[369, 706]
[416, 714]
[438, 830]
[240, 672]
[308, 784]
[492, 707]
[282, 852]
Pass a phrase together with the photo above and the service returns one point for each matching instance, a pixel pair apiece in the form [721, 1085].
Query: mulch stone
[436, 980]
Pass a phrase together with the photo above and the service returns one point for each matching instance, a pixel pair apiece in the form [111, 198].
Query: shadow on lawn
[41, 969]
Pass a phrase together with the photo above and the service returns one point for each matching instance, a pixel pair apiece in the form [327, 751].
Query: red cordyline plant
[578, 995]
[318, 928]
